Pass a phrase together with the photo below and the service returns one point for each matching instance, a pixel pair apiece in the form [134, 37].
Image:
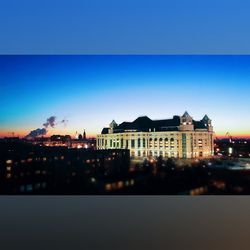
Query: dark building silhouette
[26, 168]
[80, 137]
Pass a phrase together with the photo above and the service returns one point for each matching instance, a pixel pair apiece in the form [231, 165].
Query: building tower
[207, 122]
[79, 137]
[84, 135]
[112, 125]
[186, 122]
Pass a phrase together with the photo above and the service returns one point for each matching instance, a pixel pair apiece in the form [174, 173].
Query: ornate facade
[179, 137]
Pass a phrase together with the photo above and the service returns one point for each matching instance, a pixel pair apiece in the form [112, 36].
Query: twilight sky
[90, 91]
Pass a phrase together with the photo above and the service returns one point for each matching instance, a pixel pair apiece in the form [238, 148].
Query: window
[150, 142]
[132, 143]
[139, 142]
[161, 142]
[143, 142]
[166, 142]
[155, 142]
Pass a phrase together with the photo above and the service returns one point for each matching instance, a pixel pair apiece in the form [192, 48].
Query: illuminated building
[66, 141]
[179, 137]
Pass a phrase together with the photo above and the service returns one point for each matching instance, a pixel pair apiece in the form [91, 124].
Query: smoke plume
[64, 122]
[51, 121]
[37, 132]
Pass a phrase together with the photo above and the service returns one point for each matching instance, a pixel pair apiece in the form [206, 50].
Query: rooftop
[144, 123]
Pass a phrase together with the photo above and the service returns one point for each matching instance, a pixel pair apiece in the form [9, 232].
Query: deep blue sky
[90, 91]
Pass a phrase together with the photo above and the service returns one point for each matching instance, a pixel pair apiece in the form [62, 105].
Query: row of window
[154, 153]
[140, 141]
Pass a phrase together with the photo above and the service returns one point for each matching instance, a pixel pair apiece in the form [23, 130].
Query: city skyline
[90, 91]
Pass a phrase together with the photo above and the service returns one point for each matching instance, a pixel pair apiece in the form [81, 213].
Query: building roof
[145, 124]
[105, 130]
[199, 125]
[186, 114]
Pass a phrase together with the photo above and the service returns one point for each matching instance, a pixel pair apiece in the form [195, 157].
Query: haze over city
[88, 92]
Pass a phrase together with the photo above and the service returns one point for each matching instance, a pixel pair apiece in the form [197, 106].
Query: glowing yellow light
[120, 184]
[108, 187]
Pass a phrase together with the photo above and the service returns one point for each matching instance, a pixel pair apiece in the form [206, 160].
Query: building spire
[205, 118]
[84, 135]
[186, 114]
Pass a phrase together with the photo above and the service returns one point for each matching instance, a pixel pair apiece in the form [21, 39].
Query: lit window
[120, 184]
[93, 180]
[108, 187]
[9, 161]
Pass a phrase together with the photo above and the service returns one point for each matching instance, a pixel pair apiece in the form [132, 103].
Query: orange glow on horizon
[233, 136]
[23, 132]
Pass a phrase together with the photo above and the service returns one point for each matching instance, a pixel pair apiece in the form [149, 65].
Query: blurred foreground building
[179, 137]
[26, 168]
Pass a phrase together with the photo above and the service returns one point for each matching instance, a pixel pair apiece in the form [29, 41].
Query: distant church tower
[79, 137]
[84, 135]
